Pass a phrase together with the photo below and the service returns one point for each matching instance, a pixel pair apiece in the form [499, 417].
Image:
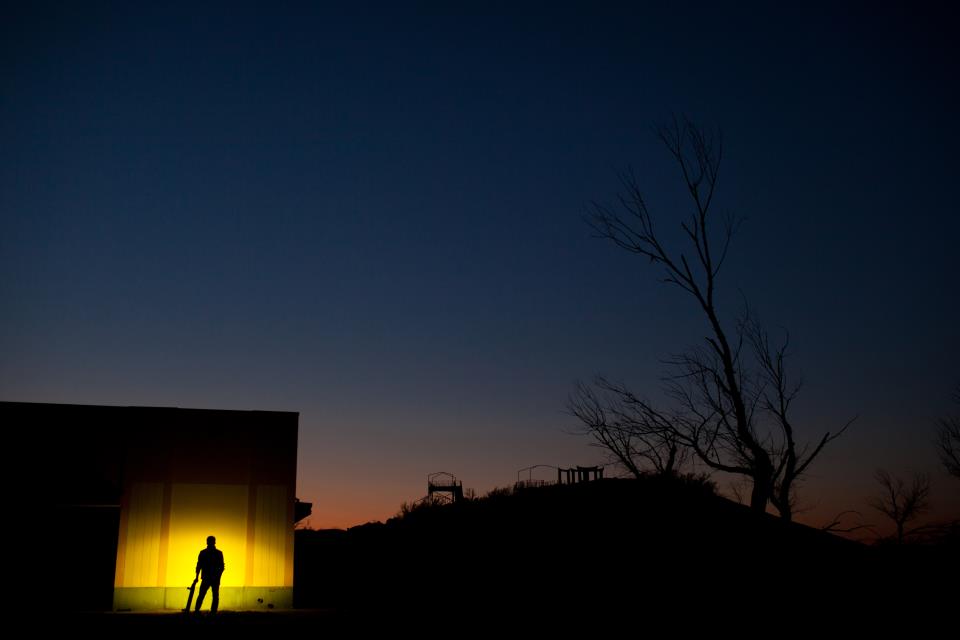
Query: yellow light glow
[201, 510]
[166, 525]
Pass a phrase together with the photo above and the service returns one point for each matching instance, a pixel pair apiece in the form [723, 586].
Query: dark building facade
[128, 495]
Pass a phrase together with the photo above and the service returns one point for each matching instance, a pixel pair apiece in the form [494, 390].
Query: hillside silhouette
[597, 550]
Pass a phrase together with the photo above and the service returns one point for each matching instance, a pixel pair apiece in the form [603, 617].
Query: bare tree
[776, 397]
[900, 502]
[948, 440]
[637, 437]
[847, 522]
[731, 405]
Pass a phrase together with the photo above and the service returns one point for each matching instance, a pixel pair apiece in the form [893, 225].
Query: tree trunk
[671, 460]
[760, 495]
[786, 511]
[783, 500]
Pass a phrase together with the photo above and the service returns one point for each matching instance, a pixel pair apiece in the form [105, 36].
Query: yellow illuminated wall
[272, 538]
[143, 530]
[165, 525]
[192, 473]
[197, 511]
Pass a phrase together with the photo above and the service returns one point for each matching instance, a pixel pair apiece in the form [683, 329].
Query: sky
[373, 215]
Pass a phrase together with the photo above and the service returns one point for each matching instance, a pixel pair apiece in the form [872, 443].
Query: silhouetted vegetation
[731, 397]
[557, 553]
[637, 438]
[902, 502]
[948, 440]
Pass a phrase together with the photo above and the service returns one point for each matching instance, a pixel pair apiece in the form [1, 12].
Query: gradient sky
[372, 216]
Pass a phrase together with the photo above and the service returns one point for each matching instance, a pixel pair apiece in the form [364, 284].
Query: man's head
[211, 541]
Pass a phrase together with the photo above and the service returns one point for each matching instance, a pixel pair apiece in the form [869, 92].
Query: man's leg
[216, 597]
[203, 591]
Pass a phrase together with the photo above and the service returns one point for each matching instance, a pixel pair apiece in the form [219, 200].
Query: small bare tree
[731, 406]
[948, 440]
[900, 502]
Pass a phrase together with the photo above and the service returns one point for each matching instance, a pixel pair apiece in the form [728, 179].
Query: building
[128, 495]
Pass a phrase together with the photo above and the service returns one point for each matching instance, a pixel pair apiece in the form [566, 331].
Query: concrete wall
[175, 598]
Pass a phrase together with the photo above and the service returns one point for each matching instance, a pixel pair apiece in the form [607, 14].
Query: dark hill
[585, 551]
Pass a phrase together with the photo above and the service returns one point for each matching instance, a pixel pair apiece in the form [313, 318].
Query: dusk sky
[373, 216]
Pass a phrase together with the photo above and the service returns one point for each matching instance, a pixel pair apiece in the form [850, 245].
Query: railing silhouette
[533, 484]
[573, 475]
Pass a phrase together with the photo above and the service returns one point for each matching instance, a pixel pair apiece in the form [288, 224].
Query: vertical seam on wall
[165, 508]
[251, 531]
[122, 539]
[288, 529]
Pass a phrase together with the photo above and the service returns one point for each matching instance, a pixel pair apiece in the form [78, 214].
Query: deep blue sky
[373, 216]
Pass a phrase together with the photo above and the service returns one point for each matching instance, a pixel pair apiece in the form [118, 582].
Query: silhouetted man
[210, 563]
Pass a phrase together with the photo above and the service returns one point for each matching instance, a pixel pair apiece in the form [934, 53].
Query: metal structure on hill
[573, 475]
[444, 487]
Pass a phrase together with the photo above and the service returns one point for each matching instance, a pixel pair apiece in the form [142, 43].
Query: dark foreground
[175, 623]
[622, 552]
[609, 556]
